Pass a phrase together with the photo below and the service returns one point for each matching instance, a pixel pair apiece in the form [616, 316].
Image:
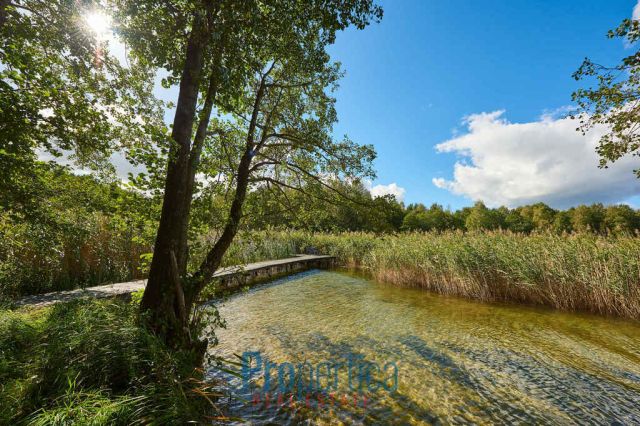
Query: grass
[577, 272]
[88, 362]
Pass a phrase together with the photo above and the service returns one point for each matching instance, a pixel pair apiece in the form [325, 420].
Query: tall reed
[90, 250]
[582, 272]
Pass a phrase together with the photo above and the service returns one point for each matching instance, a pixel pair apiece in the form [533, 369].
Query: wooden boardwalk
[231, 277]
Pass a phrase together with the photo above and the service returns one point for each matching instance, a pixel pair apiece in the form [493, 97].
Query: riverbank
[577, 272]
[90, 362]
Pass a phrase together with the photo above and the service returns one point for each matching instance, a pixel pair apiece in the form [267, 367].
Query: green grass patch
[89, 362]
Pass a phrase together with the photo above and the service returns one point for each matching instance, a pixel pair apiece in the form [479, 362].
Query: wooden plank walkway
[226, 275]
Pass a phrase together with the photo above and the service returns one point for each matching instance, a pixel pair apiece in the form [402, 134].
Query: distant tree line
[535, 217]
[360, 211]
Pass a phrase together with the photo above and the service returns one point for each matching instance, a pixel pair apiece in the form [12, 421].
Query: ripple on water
[459, 361]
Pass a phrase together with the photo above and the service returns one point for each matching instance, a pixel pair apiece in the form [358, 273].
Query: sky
[464, 101]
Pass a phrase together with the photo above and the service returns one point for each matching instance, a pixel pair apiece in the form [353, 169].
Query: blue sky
[411, 79]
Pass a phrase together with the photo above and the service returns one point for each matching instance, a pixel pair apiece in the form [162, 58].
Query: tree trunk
[215, 255]
[196, 151]
[161, 297]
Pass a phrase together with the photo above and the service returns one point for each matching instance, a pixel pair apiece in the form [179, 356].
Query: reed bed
[578, 272]
[574, 272]
[91, 250]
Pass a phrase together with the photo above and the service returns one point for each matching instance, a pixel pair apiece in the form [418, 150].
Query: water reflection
[459, 361]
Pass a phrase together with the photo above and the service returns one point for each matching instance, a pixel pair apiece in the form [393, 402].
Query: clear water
[458, 361]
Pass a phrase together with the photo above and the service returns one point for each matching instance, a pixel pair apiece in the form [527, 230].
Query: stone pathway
[120, 289]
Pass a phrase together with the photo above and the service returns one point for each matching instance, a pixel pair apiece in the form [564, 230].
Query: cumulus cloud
[512, 164]
[381, 190]
[636, 12]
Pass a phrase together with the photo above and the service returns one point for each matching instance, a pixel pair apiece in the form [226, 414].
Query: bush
[36, 259]
[79, 233]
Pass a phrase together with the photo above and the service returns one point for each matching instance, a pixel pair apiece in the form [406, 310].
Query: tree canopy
[615, 100]
[63, 93]
[261, 67]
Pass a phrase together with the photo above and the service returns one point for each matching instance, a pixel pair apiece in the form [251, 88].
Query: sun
[98, 23]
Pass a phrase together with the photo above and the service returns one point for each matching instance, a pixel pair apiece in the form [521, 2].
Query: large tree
[236, 57]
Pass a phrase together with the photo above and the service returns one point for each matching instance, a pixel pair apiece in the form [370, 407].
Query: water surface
[458, 361]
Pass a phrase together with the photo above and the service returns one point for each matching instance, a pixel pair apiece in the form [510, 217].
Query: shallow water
[458, 361]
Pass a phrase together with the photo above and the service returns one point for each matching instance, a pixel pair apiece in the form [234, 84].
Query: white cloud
[547, 160]
[381, 190]
[558, 113]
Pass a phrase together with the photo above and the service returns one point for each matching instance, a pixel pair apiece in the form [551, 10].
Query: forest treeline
[363, 212]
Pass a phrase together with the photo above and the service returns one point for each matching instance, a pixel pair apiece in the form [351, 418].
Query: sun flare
[98, 23]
